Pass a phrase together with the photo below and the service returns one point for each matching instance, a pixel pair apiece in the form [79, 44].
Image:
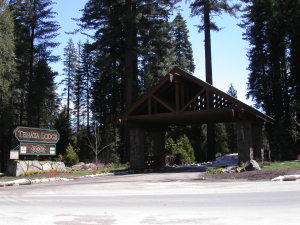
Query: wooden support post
[211, 142]
[177, 96]
[244, 140]
[159, 148]
[262, 155]
[249, 137]
[137, 153]
[257, 139]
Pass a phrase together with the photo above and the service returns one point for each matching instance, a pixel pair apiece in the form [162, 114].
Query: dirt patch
[253, 175]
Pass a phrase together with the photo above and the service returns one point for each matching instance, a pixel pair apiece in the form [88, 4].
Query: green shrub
[182, 148]
[71, 157]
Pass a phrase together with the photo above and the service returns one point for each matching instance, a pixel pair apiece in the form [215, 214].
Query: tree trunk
[211, 152]
[130, 91]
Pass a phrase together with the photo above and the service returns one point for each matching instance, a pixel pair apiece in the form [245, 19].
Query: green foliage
[43, 172]
[282, 165]
[71, 158]
[214, 7]
[272, 29]
[7, 45]
[8, 90]
[221, 139]
[71, 63]
[231, 127]
[181, 147]
[181, 44]
[214, 170]
[63, 126]
[35, 31]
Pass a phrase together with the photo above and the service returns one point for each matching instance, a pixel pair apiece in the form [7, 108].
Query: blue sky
[229, 50]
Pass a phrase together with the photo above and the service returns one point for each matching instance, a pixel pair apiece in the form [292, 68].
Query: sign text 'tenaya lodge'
[36, 135]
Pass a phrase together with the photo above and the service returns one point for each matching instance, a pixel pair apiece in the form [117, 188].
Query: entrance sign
[37, 149]
[36, 135]
[36, 141]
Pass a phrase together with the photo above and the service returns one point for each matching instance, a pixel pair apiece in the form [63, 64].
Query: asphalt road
[170, 198]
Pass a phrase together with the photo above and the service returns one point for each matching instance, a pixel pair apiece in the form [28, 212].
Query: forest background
[131, 44]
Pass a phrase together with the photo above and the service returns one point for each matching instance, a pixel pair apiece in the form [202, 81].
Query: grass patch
[282, 165]
[214, 170]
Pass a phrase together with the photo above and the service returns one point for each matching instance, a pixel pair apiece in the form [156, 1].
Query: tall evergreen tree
[182, 46]
[63, 126]
[86, 70]
[121, 30]
[35, 32]
[43, 95]
[231, 127]
[78, 92]
[7, 82]
[156, 51]
[272, 79]
[206, 9]
[71, 61]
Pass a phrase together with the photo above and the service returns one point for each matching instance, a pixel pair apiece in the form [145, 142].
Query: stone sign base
[19, 167]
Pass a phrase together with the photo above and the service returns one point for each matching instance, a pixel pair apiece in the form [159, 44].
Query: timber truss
[182, 99]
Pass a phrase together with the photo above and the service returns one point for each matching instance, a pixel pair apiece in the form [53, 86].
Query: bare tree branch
[95, 142]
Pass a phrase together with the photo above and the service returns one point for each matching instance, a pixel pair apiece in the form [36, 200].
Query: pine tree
[156, 51]
[205, 9]
[222, 146]
[63, 126]
[70, 71]
[231, 127]
[35, 32]
[182, 46]
[7, 45]
[43, 95]
[86, 70]
[269, 30]
[78, 91]
[8, 89]
[121, 30]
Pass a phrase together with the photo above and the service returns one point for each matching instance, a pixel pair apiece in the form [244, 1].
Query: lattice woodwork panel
[199, 103]
[220, 102]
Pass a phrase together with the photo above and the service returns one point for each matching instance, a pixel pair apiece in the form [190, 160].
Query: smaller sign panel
[37, 149]
[14, 155]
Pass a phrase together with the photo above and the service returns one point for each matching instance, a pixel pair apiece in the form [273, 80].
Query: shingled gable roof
[182, 99]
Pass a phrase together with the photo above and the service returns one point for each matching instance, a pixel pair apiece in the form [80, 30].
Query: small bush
[70, 158]
[182, 148]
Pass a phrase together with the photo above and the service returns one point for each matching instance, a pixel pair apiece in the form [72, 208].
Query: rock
[36, 165]
[59, 166]
[77, 167]
[47, 166]
[68, 168]
[90, 166]
[22, 182]
[290, 178]
[18, 167]
[251, 165]
[287, 178]
[230, 169]
[21, 167]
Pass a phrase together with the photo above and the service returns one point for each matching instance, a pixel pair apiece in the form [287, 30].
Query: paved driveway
[169, 198]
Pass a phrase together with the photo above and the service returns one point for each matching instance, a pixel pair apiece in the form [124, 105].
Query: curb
[23, 181]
